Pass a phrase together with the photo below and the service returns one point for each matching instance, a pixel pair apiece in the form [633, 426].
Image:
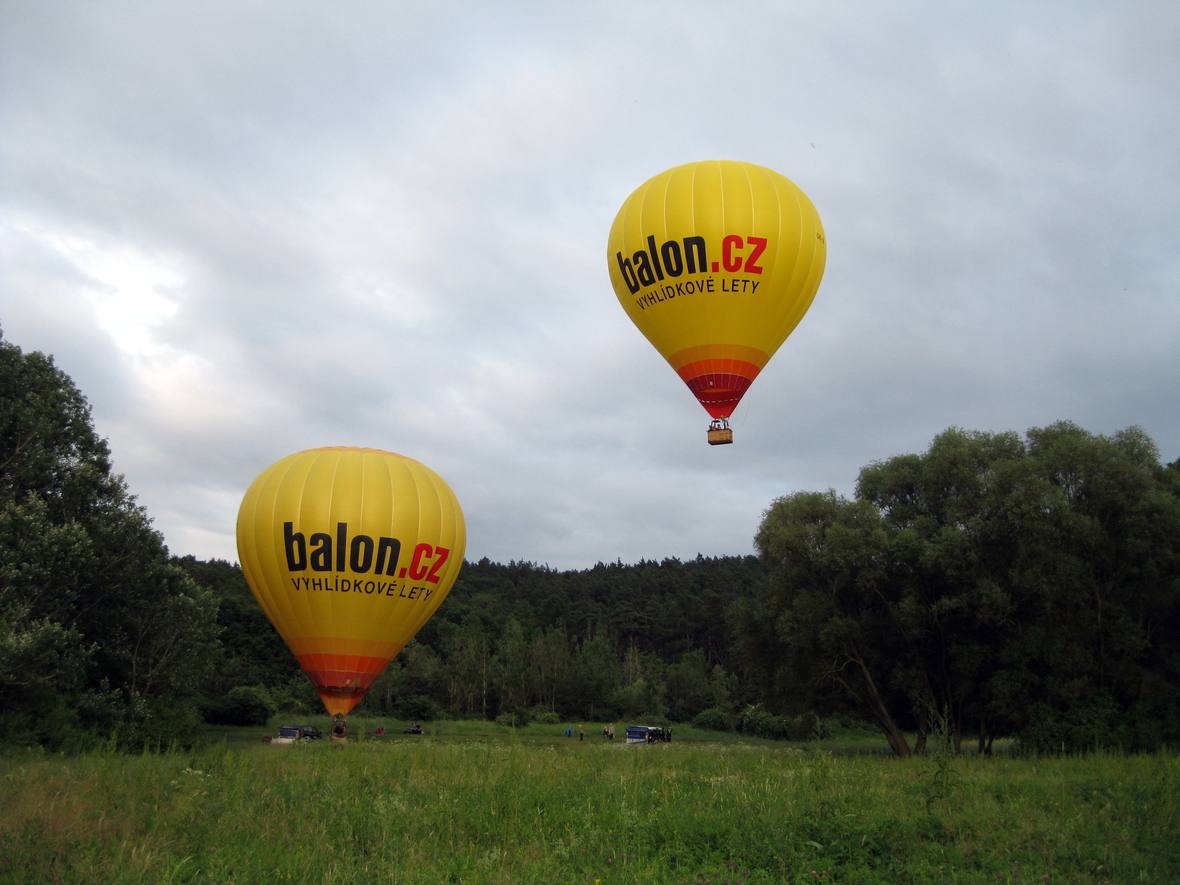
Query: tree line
[996, 585]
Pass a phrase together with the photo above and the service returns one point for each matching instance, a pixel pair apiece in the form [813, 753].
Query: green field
[473, 802]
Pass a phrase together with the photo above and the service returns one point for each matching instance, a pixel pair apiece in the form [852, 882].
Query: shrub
[544, 715]
[809, 727]
[1082, 728]
[513, 718]
[241, 705]
[756, 721]
[714, 719]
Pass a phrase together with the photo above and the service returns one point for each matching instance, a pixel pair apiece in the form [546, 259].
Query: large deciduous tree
[1002, 585]
[101, 632]
[829, 599]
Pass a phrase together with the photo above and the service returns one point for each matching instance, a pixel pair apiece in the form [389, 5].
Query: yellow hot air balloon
[349, 551]
[716, 262]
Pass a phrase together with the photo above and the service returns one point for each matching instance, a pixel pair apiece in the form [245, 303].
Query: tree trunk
[885, 722]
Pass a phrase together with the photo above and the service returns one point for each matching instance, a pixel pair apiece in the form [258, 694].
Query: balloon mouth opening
[719, 394]
[338, 700]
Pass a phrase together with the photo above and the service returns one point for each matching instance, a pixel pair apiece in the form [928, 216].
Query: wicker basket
[720, 436]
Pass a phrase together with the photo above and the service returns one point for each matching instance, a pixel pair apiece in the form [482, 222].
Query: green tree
[1095, 596]
[469, 665]
[828, 598]
[1003, 585]
[253, 653]
[951, 548]
[549, 657]
[91, 602]
[595, 676]
[689, 689]
[512, 674]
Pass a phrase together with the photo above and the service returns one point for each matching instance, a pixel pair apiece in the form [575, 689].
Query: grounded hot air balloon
[349, 551]
[716, 262]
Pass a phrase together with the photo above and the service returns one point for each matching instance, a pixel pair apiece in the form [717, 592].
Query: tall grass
[478, 809]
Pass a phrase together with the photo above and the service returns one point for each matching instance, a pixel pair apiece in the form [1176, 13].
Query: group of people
[608, 732]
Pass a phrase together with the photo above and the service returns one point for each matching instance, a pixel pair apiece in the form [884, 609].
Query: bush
[809, 727]
[756, 721]
[242, 705]
[544, 715]
[714, 719]
[1080, 729]
[513, 718]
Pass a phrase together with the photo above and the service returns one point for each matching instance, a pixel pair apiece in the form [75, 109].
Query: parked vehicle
[648, 734]
[290, 734]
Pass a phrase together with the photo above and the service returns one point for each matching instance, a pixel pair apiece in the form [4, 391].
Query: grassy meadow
[472, 802]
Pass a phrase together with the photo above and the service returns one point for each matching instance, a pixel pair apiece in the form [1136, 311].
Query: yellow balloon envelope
[716, 262]
[349, 551]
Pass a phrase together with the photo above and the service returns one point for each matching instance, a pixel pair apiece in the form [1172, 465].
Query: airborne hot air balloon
[349, 551]
[716, 262]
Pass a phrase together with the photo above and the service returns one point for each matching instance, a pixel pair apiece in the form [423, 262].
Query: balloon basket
[719, 432]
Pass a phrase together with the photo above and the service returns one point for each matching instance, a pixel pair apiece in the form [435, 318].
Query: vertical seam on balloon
[307, 602]
[281, 594]
[720, 167]
[424, 473]
[807, 285]
[387, 622]
[664, 209]
[804, 263]
[446, 495]
[254, 580]
[791, 314]
[328, 607]
[364, 528]
[815, 268]
[301, 604]
[779, 284]
[333, 658]
[406, 633]
[746, 170]
[401, 466]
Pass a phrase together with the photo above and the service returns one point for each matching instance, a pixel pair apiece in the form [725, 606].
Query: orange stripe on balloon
[719, 367]
[738, 352]
[341, 680]
[343, 645]
[348, 664]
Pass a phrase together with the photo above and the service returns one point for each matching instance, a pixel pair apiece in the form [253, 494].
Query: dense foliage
[100, 633]
[993, 586]
[998, 585]
[615, 640]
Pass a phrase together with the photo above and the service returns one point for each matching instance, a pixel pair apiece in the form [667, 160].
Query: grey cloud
[389, 227]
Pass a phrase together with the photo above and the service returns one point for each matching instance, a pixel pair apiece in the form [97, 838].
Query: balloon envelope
[349, 551]
[716, 262]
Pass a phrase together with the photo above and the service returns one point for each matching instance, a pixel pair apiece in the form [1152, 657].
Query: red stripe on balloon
[719, 393]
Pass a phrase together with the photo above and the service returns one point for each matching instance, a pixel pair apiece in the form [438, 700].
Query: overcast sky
[246, 229]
